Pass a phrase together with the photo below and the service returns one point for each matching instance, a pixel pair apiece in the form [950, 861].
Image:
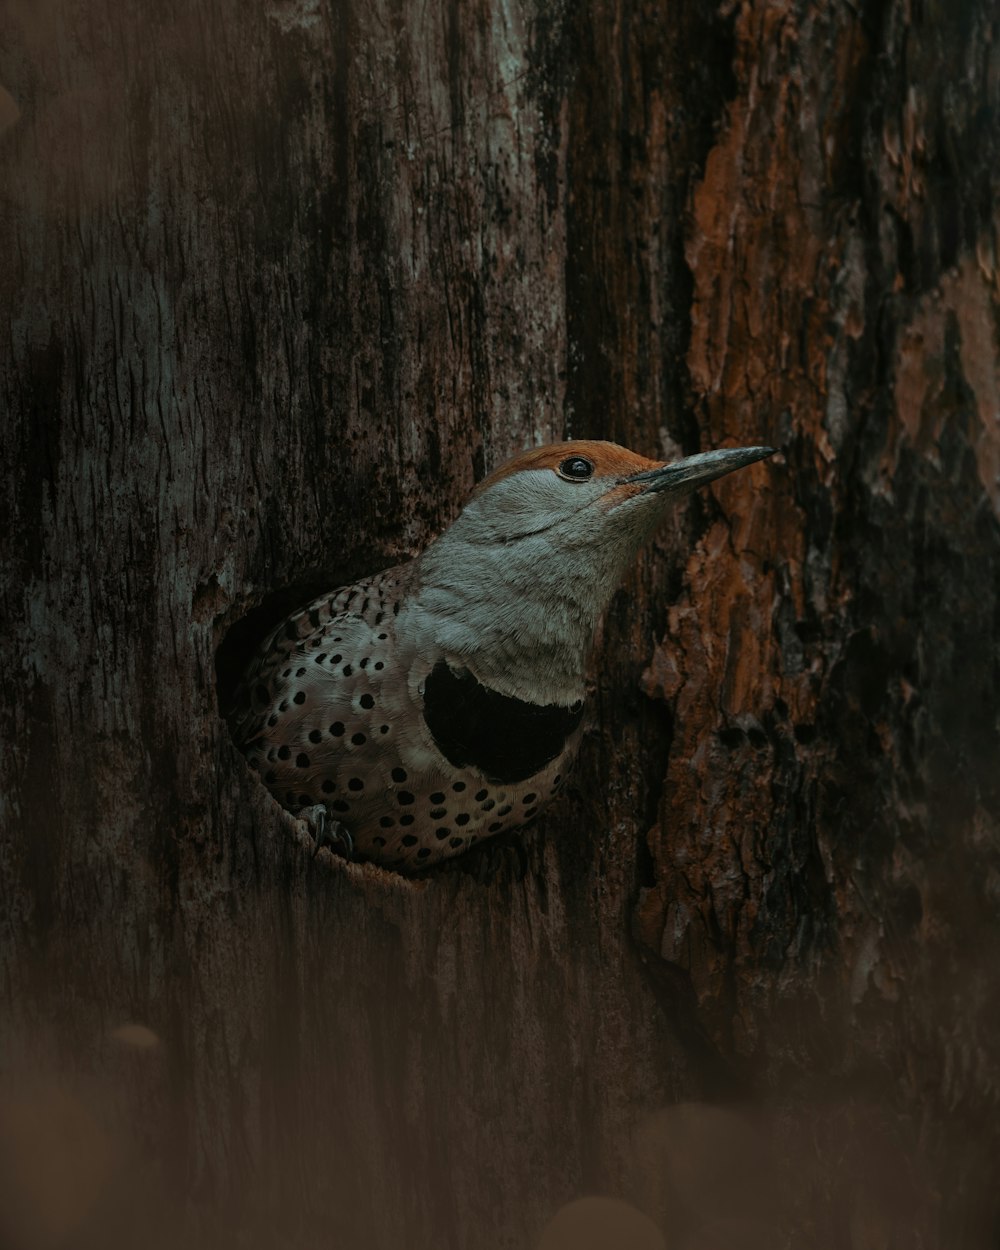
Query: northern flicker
[440, 703]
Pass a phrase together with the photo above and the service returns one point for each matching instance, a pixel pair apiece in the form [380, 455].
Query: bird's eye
[576, 468]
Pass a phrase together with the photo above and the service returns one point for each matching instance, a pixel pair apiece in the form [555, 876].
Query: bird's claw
[327, 831]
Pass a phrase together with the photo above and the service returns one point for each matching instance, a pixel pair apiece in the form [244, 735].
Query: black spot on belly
[506, 739]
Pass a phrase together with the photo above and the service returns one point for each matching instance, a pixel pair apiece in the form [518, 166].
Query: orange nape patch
[608, 459]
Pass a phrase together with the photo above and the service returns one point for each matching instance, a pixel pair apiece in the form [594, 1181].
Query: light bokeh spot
[601, 1224]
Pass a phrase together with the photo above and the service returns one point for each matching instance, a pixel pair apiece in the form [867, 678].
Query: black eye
[577, 468]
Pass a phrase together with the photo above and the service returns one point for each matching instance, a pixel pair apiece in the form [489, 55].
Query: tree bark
[281, 282]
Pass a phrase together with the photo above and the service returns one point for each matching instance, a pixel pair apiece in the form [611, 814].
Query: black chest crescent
[506, 739]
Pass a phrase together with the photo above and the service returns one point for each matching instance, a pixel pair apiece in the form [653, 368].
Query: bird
[437, 704]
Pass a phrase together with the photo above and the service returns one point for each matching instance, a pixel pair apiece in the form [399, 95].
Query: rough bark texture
[280, 281]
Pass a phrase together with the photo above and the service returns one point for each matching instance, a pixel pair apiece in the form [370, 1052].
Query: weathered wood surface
[279, 282]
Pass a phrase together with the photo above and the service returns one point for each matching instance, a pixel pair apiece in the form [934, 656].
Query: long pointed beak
[697, 470]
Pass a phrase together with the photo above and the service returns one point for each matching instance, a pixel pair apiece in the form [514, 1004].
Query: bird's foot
[327, 831]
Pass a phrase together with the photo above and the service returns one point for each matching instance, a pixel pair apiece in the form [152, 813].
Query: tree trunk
[282, 281]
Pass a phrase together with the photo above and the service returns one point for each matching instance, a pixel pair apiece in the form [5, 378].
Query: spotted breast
[417, 759]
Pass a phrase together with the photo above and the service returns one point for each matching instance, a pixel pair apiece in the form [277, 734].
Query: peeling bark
[281, 282]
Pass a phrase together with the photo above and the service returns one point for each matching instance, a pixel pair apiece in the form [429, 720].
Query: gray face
[516, 587]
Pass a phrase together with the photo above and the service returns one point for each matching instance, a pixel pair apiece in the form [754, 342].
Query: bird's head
[536, 554]
[587, 493]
